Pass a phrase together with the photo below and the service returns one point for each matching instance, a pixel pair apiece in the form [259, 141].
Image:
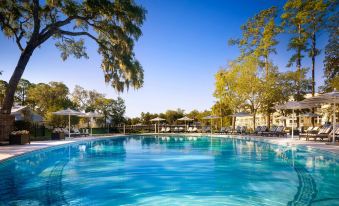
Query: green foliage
[331, 61]
[48, 98]
[172, 115]
[297, 91]
[259, 36]
[145, 117]
[113, 25]
[21, 91]
[294, 20]
[240, 87]
[277, 90]
[112, 110]
[3, 88]
[86, 100]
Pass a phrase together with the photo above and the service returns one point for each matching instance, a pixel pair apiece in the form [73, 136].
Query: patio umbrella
[91, 115]
[293, 106]
[68, 112]
[185, 119]
[157, 119]
[326, 98]
[211, 117]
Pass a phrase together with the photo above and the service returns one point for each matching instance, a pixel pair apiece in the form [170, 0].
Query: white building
[325, 115]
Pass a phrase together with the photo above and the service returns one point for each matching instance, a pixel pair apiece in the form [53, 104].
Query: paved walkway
[8, 151]
[15, 150]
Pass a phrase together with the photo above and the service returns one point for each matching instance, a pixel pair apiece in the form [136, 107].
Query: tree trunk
[268, 120]
[299, 64]
[313, 69]
[254, 114]
[266, 67]
[13, 82]
[313, 62]
[233, 122]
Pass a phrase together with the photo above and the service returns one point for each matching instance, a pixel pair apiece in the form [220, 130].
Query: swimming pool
[170, 170]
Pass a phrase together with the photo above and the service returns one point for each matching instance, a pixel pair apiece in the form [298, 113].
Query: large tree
[316, 15]
[294, 20]
[48, 98]
[113, 25]
[240, 86]
[21, 91]
[259, 36]
[331, 61]
[112, 110]
[85, 99]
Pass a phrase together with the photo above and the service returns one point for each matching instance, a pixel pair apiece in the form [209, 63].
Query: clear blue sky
[184, 44]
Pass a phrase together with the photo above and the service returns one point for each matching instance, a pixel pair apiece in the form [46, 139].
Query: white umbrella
[91, 115]
[157, 119]
[326, 98]
[68, 112]
[293, 106]
[185, 119]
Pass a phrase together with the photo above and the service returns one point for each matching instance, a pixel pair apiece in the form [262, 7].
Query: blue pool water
[171, 170]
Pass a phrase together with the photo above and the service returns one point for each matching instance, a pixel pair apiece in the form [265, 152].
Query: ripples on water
[176, 170]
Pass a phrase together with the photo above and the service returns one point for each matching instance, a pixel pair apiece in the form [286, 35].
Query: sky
[184, 43]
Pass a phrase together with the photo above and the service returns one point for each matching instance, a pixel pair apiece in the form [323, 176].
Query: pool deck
[9, 151]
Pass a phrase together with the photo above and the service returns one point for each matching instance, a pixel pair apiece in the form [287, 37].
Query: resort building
[324, 115]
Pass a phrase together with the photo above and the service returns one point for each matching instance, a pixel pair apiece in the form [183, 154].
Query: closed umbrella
[326, 98]
[68, 112]
[157, 119]
[293, 106]
[185, 119]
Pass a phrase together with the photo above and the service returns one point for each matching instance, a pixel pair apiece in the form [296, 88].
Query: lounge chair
[237, 130]
[195, 129]
[206, 129]
[84, 132]
[323, 133]
[280, 130]
[181, 129]
[306, 132]
[168, 129]
[336, 135]
[271, 131]
[163, 130]
[243, 130]
[222, 130]
[190, 129]
[176, 129]
[257, 130]
[262, 130]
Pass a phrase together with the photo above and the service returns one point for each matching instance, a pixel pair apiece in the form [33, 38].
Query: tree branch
[36, 18]
[14, 30]
[82, 33]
